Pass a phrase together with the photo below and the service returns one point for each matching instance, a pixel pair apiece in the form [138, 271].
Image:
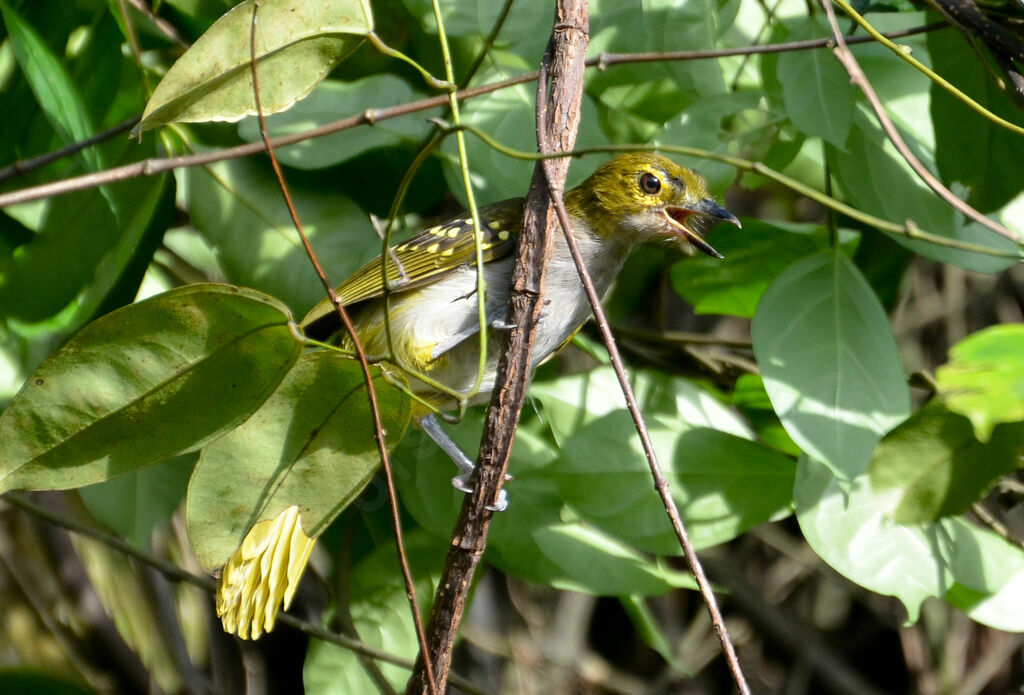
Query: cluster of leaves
[826, 429]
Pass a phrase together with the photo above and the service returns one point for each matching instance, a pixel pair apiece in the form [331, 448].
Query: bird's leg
[430, 425]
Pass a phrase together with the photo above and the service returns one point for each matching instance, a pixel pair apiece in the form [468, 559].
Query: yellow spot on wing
[503, 235]
[437, 231]
[494, 224]
[453, 232]
[433, 248]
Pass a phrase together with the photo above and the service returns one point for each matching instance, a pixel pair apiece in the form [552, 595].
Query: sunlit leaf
[146, 382]
[830, 362]
[296, 46]
[984, 379]
[311, 445]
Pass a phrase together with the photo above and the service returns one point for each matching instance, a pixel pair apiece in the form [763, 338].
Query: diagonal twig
[378, 426]
[845, 55]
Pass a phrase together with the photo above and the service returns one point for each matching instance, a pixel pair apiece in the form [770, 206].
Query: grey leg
[433, 428]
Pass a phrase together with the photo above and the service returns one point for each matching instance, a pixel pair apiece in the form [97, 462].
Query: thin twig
[162, 25]
[660, 483]
[155, 165]
[845, 55]
[24, 166]
[378, 425]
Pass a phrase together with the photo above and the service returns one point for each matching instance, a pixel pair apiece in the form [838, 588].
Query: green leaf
[816, 90]
[647, 627]
[51, 85]
[875, 178]
[852, 534]
[970, 149]
[135, 503]
[146, 382]
[334, 100]
[296, 46]
[984, 379]
[750, 397]
[830, 362]
[237, 207]
[26, 681]
[989, 575]
[311, 444]
[932, 466]
[722, 484]
[754, 257]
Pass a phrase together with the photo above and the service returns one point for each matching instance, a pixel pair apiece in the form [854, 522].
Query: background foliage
[840, 406]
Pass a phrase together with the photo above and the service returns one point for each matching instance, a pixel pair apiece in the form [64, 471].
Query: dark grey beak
[706, 207]
[712, 209]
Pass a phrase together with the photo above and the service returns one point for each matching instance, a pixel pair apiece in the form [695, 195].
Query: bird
[430, 300]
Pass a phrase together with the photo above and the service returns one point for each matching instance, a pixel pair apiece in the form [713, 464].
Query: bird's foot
[461, 483]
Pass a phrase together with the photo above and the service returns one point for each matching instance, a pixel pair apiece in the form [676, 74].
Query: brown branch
[371, 392]
[845, 55]
[557, 121]
[157, 165]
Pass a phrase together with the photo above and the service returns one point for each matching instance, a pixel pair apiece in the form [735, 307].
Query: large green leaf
[830, 362]
[723, 484]
[146, 382]
[984, 379]
[334, 100]
[311, 444]
[932, 466]
[989, 577]
[296, 46]
[876, 179]
[816, 90]
[850, 533]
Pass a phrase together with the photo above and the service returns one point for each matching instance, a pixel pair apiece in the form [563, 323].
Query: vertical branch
[557, 122]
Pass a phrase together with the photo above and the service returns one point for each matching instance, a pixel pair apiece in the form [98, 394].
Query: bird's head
[649, 197]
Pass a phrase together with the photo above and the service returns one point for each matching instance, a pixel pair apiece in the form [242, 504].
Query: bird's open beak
[678, 218]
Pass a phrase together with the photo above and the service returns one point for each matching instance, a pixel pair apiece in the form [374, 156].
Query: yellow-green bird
[432, 302]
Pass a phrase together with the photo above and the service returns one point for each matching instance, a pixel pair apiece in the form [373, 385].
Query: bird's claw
[501, 325]
[461, 483]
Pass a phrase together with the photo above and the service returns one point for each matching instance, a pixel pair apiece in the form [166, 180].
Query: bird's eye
[650, 184]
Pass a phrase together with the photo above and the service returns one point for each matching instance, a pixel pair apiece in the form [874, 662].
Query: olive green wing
[426, 257]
